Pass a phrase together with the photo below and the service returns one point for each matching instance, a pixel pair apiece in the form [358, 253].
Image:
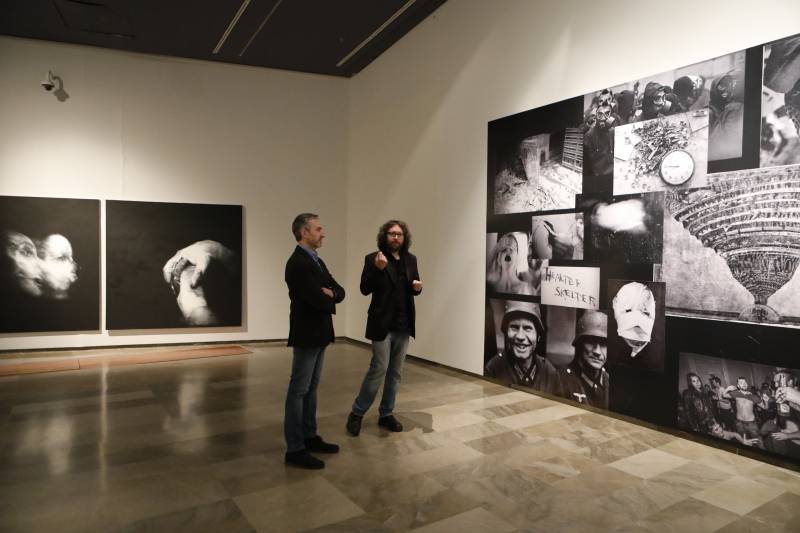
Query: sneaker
[390, 423]
[317, 445]
[354, 424]
[303, 459]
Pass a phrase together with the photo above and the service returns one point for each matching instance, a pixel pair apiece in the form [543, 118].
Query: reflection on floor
[198, 446]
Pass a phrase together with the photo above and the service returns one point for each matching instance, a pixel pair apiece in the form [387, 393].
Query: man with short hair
[314, 294]
[519, 363]
[390, 275]
[745, 409]
[585, 380]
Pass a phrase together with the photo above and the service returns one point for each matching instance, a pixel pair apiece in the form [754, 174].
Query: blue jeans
[300, 418]
[387, 362]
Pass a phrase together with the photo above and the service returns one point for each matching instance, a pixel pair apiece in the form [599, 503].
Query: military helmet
[591, 324]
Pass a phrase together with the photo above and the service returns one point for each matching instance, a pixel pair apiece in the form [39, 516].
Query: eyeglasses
[394, 233]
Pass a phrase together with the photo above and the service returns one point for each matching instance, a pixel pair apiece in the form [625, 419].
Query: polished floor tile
[198, 446]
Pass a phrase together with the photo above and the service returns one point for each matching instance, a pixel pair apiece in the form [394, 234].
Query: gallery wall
[148, 128]
[419, 114]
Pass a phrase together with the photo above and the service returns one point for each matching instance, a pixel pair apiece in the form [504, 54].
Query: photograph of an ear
[173, 265]
[49, 264]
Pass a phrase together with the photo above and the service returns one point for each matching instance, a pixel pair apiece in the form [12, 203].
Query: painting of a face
[27, 271]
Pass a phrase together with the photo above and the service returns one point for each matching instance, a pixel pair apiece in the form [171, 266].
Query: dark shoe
[390, 423]
[303, 459]
[317, 445]
[354, 424]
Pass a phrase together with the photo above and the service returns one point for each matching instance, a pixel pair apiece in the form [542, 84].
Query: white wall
[418, 118]
[139, 127]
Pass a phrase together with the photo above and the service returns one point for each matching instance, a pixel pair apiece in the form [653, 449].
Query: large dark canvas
[173, 265]
[49, 265]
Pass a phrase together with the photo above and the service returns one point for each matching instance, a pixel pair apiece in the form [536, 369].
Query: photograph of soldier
[519, 357]
[585, 379]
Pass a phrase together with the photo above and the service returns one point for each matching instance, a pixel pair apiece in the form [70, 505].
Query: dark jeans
[300, 418]
[386, 366]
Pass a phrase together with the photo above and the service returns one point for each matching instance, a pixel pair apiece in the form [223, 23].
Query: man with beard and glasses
[390, 275]
[519, 363]
[585, 380]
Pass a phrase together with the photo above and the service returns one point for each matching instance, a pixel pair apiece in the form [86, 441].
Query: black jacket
[310, 322]
[381, 285]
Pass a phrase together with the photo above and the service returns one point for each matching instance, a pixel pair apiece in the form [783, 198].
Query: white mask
[635, 312]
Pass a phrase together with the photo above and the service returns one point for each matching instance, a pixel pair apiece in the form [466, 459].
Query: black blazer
[310, 322]
[381, 284]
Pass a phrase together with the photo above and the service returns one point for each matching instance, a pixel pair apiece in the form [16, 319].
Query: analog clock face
[677, 167]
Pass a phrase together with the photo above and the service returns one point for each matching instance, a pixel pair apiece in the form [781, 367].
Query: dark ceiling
[336, 37]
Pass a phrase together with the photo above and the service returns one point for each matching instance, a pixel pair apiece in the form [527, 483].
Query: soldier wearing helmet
[585, 380]
[520, 362]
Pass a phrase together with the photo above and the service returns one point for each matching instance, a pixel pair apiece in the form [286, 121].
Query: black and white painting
[636, 335]
[624, 229]
[780, 103]
[173, 265]
[748, 403]
[536, 159]
[49, 265]
[731, 250]
[557, 236]
[510, 268]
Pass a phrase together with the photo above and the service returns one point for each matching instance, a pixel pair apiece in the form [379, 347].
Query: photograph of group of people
[687, 206]
[753, 404]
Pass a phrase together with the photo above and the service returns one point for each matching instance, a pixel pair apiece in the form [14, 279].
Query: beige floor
[198, 446]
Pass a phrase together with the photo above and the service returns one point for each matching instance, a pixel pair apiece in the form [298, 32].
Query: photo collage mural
[642, 242]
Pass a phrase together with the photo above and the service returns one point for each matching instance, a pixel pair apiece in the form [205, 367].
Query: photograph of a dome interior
[395, 265]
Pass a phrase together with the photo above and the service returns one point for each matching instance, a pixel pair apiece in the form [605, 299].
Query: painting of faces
[173, 265]
[748, 403]
[49, 264]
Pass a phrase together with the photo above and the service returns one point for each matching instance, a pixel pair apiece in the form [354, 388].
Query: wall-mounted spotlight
[48, 83]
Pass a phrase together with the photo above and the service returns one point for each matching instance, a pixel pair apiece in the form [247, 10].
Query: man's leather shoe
[354, 424]
[390, 423]
[317, 445]
[303, 459]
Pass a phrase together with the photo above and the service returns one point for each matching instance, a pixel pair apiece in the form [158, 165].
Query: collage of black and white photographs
[615, 215]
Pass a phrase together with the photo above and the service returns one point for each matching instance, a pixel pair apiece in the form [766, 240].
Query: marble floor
[197, 446]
